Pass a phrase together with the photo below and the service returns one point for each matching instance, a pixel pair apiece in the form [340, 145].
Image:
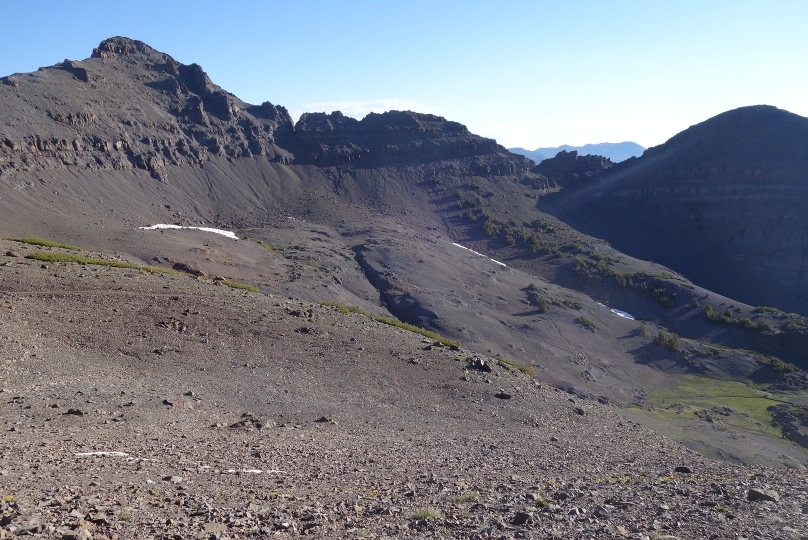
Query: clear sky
[528, 73]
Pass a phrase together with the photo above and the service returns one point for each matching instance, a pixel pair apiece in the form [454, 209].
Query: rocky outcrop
[129, 106]
[334, 138]
[723, 203]
[793, 421]
[570, 170]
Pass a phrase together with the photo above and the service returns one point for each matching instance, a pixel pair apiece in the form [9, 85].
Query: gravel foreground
[136, 405]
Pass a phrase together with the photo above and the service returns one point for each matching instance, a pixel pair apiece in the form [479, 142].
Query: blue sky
[529, 74]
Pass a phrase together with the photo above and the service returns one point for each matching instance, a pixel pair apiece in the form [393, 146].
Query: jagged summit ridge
[130, 106]
[119, 45]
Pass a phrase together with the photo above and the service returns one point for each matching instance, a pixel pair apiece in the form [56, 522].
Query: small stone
[682, 469]
[173, 479]
[480, 365]
[11, 253]
[99, 519]
[522, 518]
[579, 411]
[762, 494]
[75, 412]
[503, 395]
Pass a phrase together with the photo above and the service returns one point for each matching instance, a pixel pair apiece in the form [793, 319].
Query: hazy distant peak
[617, 152]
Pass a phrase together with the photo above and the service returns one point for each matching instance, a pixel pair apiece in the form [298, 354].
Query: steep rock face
[723, 202]
[330, 139]
[571, 170]
[128, 106]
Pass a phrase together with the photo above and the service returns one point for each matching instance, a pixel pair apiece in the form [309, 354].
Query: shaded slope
[723, 203]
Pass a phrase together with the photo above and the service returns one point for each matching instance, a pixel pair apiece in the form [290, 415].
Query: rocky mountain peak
[121, 46]
[755, 132]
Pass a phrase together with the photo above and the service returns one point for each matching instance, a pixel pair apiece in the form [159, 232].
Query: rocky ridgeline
[335, 138]
[132, 107]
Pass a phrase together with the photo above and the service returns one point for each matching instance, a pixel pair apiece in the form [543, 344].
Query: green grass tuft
[395, 322]
[79, 259]
[589, 323]
[46, 243]
[467, 497]
[767, 309]
[237, 285]
[510, 364]
[427, 513]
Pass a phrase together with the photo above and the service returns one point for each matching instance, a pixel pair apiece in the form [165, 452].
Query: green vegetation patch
[726, 317]
[530, 236]
[513, 364]
[589, 323]
[692, 393]
[67, 258]
[395, 322]
[776, 364]
[648, 284]
[467, 497]
[427, 513]
[46, 243]
[670, 340]
[237, 285]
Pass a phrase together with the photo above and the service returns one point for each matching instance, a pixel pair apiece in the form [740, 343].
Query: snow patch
[206, 229]
[105, 454]
[253, 471]
[619, 312]
[480, 254]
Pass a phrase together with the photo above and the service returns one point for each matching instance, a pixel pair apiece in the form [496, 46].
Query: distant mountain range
[617, 152]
